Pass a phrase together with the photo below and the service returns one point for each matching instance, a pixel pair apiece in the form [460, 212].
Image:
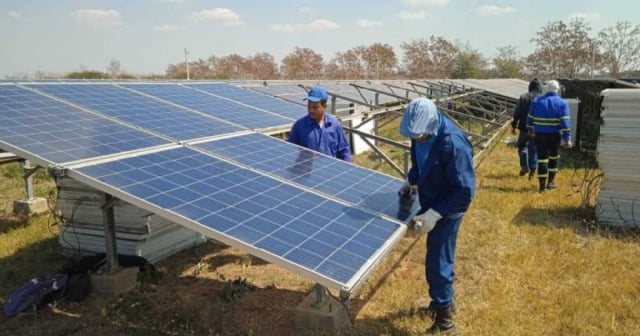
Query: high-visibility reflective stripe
[565, 117]
[543, 161]
[543, 175]
[566, 129]
[543, 119]
[553, 170]
[535, 123]
[554, 157]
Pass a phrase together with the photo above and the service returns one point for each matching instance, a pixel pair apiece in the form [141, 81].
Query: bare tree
[232, 66]
[114, 68]
[262, 66]
[346, 65]
[563, 50]
[380, 60]
[621, 47]
[507, 62]
[302, 63]
[429, 58]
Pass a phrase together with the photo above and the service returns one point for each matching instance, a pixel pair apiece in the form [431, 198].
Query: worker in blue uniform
[443, 172]
[526, 146]
[549, 124]
[320, 131]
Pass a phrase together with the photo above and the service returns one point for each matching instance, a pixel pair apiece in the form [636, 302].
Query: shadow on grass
[10, 223]
[582, 221]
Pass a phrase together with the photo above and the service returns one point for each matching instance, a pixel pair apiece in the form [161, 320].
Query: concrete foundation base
[35, 206]
[330, 318]
[114, 283]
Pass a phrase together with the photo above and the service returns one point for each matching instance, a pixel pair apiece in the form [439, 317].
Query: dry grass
[527, 264]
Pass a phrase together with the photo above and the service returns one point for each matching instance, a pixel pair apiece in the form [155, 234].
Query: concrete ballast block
[331, 317]
[35, 206]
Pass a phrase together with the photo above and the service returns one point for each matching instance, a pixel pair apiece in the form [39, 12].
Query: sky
[60, 36]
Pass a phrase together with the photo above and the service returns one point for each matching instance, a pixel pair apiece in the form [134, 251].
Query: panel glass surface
[366, 188]
[211, 105]
[139, 110]
[250, 97]
[58, 133]
[298, 227]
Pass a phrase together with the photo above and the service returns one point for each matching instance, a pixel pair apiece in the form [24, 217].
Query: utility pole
[186, 61]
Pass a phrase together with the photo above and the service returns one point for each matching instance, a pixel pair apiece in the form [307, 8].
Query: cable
[71, 224]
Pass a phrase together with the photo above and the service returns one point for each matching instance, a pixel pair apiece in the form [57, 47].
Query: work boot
[543, 184]
[551, 184]
[442, 322]
[426, 308]
[524, 171]
[532, 173]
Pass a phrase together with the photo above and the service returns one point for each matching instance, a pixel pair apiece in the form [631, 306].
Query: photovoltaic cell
[249, 97]
[286, 224]
[366, 188]
[58, 133]
[139, 110]
[212, 105]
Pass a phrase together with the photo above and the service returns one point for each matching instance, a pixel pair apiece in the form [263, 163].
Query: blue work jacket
[328, 139]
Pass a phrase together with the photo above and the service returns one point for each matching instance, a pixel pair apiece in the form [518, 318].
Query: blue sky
[58, 36]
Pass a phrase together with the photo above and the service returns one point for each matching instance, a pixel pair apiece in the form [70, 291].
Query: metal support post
[28, 177]
[109, 222]
[321, 295]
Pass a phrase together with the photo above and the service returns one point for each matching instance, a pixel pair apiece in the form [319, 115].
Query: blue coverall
[445, 183]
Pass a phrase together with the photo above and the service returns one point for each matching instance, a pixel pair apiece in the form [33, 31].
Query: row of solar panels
[188, 154]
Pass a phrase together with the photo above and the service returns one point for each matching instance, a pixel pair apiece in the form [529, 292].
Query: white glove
[408, 188]
[427, 221]
[566, 144]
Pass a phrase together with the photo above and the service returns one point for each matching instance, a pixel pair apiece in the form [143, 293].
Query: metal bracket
[321, 295]
[28, 171]
[57, 171]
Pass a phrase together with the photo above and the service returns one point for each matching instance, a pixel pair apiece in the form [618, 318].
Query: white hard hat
[552, 86]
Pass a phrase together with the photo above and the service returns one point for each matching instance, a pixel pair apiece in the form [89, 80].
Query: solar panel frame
[139, 110]
[368, 234]
[64, 133]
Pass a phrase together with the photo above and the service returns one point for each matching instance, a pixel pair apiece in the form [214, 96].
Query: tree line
[562, 50]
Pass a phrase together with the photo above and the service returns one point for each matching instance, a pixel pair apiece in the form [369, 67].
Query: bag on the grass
[36, 292]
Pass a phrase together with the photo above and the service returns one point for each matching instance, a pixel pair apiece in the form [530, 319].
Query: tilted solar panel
[249, 97]
[221, 108]
[330, 242]
[363, 187]
[136, 109]
[47, 131]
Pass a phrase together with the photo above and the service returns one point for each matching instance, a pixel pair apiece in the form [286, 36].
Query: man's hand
[407, 188]
[427, 221]
[531, 132]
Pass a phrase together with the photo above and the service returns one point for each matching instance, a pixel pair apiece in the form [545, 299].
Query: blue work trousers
[441, 252]
[527, 151]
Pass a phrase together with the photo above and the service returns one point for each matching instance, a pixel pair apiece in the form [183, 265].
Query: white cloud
[412, 16]
[98, 17]
[490, 10]
[425, 3]
[223, 15]
[364, 23]
[171, 1]
[14, 14]
[322, 24]
[586, 16]
[282, 27]
[166, 28]
[305, 9]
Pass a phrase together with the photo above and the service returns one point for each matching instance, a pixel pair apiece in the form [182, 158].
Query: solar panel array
[49, 131]
[314, 234]
[321, 217]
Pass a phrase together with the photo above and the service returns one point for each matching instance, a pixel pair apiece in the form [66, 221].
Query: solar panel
[330, 242]
[363, 187]
[212, 105]
[139, 110]
[253, 98]
[48, 131]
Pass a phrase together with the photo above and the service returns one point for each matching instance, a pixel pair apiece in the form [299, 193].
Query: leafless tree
[113, 69]
[507, 62]
[620, 44]
[302, 63]
[429, 58]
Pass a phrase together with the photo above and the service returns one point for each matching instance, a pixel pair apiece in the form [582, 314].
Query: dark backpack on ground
[36, 292]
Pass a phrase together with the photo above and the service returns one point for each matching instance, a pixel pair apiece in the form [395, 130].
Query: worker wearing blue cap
[442, 170]
[320, 131]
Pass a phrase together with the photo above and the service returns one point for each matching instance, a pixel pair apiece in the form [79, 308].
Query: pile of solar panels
[194, 155]
[619, 159]
[138, 232]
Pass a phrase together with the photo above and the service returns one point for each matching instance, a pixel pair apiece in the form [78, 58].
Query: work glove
[566, 144]
[427, 221]
[407, 188]
[531, 132]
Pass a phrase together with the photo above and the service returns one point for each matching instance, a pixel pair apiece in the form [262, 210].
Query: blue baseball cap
[317, 94]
